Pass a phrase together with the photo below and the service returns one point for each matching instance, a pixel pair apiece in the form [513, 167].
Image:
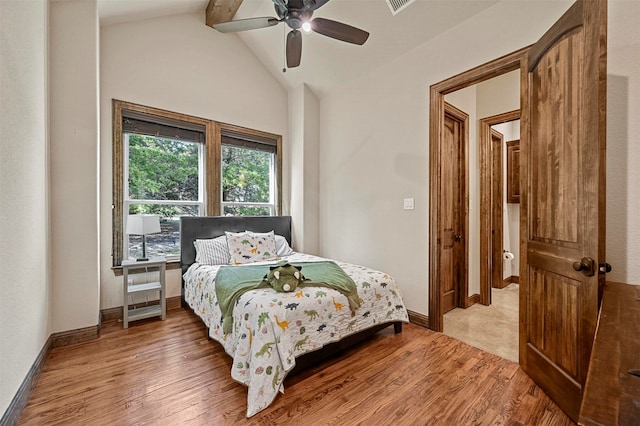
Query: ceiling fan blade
[339, 31]
[294, 48]
[318, 4]
[246, 24]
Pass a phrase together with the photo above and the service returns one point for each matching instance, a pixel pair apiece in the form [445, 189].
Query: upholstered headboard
[192, 228]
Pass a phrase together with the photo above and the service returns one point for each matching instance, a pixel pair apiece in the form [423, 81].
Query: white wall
[296, 165]
[304, 135]
[74, 164]
[25, 286]
[179, 64]
[311, 171]
[623, 141]
[375, 136]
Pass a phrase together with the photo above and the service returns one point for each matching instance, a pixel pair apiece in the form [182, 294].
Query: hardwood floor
[169, 373]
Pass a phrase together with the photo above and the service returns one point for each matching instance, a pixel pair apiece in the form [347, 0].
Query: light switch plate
[408, 203]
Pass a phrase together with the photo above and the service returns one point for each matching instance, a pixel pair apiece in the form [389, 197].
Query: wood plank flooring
[169, 373]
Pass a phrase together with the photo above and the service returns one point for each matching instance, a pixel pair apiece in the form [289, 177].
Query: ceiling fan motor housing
[295, 18]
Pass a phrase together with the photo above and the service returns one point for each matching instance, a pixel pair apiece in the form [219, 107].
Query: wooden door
[453, 206]
[497, 205]
[562, 200]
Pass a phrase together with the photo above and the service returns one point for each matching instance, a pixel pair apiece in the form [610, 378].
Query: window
[162, 177]
[175, 165]
[248, 175]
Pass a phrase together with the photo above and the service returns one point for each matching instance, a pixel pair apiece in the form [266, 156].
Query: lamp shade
[143, 224]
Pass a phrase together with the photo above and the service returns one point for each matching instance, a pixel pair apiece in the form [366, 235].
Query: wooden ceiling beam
[221, 11]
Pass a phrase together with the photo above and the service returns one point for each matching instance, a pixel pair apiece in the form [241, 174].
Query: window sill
[117, 270]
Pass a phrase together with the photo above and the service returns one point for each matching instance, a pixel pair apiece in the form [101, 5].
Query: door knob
[458, 237]
[587, 265]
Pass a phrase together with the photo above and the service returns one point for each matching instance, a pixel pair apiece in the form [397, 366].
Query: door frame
[495, 68]
[486, 237]
[495, 196]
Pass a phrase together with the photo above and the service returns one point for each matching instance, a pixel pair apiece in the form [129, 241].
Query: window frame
[255, 137]
[212, 163]
[127, 201]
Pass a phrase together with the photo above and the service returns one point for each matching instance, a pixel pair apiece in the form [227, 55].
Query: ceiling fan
[297, 14]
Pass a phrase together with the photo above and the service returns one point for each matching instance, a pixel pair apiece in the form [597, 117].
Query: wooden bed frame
[192, 228]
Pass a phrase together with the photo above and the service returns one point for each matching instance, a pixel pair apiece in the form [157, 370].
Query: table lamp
[143, 224]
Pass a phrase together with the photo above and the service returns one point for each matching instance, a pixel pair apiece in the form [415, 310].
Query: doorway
[498, 67]
[563, 196]
[494, 206]
[491, 328]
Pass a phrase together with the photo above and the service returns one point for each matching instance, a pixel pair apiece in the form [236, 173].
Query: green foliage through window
[246, 175]
[247, 181]
[162, 169]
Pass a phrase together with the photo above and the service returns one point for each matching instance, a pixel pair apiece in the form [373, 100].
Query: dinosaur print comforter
[271, 329]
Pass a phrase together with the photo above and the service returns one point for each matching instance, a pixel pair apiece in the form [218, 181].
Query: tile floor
[491, 328]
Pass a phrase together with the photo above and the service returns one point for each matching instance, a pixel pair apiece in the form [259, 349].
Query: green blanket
[233, 281]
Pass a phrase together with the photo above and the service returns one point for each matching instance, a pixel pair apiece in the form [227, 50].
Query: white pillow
[282, 246]
[213, 251]
[248, 247]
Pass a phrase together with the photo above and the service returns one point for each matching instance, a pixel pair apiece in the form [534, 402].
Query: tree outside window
[247, 181]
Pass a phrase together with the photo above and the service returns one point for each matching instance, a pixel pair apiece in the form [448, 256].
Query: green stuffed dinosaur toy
[284, 278]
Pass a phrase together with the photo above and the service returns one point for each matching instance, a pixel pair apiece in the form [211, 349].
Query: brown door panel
[562, 206]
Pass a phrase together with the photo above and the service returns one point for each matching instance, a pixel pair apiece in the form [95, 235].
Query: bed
[271, 332]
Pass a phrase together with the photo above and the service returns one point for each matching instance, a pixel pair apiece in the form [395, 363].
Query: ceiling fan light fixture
[306, 27]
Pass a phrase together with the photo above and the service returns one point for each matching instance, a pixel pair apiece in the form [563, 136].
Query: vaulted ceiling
[326, 64]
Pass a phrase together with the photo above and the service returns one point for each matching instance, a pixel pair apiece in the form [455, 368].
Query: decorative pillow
[282, 246]
[213, 251]
[248, 247]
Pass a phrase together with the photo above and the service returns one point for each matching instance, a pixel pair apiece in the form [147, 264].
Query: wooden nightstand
[147, 267]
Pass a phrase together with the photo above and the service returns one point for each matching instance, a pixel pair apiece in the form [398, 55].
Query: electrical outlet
[408, 203]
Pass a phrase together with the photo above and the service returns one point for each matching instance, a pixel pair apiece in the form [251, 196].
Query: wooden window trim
[118, 107]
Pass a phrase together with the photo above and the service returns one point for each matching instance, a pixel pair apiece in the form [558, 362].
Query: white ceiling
[326, 63]
[115, 11]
